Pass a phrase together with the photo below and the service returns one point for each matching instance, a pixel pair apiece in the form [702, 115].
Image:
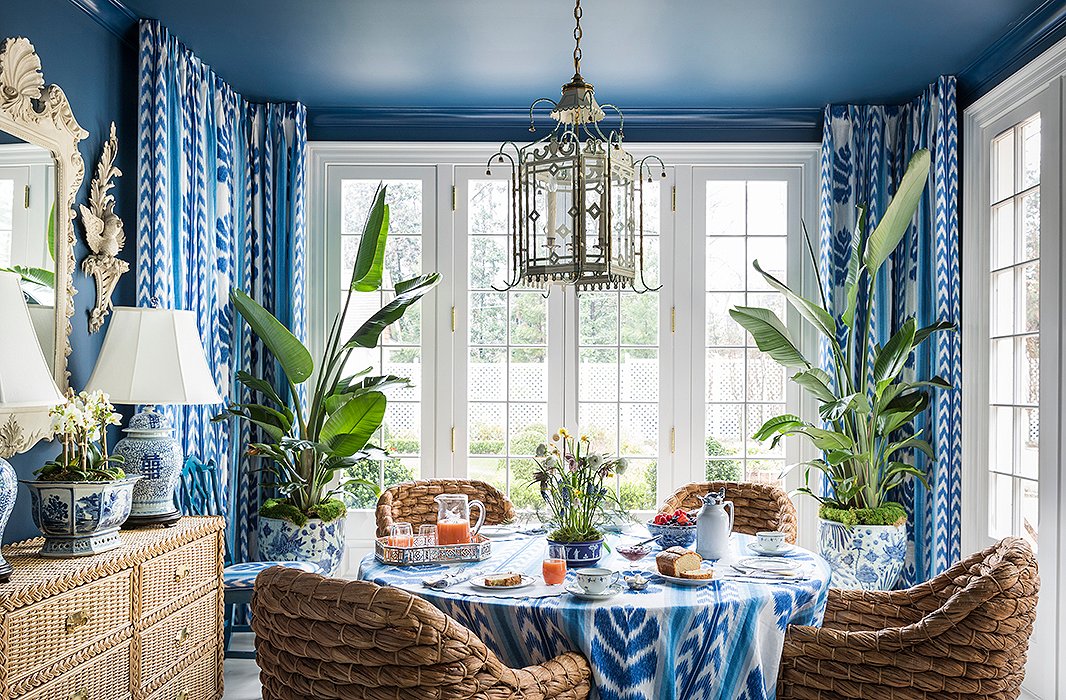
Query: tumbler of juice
[554, 571]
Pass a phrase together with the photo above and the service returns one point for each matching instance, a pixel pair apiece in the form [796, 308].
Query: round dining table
[666, 642]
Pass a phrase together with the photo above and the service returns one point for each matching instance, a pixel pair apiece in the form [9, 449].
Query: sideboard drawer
[187, 568]
[46, 632]
[103, 677]
[197, 682]
[176, 635]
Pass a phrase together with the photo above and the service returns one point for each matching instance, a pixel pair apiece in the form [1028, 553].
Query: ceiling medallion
[577, 197]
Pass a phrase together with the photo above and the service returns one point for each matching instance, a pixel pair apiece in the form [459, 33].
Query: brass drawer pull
[182, 635]
[74, 621]
[181, 572]
[79, 695]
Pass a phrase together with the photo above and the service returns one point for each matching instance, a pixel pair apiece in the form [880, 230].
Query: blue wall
[98, 73]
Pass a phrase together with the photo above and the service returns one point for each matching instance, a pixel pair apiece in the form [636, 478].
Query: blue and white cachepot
[150, 450]
[317, 542]
[576, 554]
[867, 557]
[78, 518]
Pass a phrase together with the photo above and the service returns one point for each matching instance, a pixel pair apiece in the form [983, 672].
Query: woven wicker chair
[962, 635]
[758, 506]
[412, 502]
[330, 639]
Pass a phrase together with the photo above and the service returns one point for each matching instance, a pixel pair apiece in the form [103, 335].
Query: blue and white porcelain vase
[317, 542]
[150, 451]
[9, 485]
[867, 557]
[576, 554]
[78, 518]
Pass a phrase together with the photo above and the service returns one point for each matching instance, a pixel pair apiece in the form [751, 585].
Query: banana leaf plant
[866, 407]
[306, 446]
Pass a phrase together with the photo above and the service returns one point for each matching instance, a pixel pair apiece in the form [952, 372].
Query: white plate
[693, 582]
[612, 590]
[491, 531]
[479, 582]
[775, 565]
[786, 551]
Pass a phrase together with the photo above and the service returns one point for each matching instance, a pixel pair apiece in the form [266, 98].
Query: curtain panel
[220, 206]
[865, 151]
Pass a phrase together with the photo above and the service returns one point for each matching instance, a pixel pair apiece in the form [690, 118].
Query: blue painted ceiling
[639, 53]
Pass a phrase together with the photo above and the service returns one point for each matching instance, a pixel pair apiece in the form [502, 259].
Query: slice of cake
[677, 560]
[698, 574]
[507, 579]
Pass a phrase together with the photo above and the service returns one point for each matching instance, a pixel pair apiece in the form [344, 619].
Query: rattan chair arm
[565, 676]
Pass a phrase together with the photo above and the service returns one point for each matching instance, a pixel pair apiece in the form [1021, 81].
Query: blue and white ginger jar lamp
[153, 357]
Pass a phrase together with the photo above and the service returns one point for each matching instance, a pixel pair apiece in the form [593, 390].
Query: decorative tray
[478, 550]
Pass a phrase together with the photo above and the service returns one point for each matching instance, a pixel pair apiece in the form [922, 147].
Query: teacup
[595, 580]
[770, 540]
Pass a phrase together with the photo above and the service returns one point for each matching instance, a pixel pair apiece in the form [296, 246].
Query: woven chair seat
[962, 635]
[242, 576]
[412, 502]
[757, 507]
[330, 639]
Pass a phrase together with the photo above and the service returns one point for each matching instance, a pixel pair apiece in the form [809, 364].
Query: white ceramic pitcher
[714, 526]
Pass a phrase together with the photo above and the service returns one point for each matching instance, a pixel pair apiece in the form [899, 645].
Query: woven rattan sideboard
[143, 621]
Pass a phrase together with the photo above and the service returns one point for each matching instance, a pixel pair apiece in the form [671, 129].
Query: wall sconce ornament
[104, 234]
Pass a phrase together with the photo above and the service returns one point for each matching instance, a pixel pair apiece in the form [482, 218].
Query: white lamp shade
[153, 356]
[25, 378]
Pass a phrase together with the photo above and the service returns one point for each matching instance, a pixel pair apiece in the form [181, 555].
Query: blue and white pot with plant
[314, 540]
[868, 397]
[868, 557]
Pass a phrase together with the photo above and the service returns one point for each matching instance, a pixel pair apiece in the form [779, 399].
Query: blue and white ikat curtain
[220, 205]
[865, 151]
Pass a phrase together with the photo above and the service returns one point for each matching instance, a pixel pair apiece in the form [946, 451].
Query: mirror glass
[28, 230]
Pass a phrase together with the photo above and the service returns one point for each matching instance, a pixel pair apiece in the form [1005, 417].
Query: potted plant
[305, 446]
[82, 497]
[866, 407]
[571, 477]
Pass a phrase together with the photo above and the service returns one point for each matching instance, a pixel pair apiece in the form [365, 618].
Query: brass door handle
[79, 695]
[76, 620]
[183, 695]
[182, 635]
[181, 572]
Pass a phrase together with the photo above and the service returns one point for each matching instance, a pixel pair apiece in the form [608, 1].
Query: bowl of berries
[677, 529]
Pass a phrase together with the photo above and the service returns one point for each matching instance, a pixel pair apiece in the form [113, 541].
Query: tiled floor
[242, 675]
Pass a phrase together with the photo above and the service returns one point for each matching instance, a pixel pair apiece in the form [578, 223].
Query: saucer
[770, 565]
[612, 590]
[492, 531]
[784, 551]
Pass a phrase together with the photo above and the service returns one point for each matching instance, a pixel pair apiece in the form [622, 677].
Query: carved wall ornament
[104, 234]
[40, 114]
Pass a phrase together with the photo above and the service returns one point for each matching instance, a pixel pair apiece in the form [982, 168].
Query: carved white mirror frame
[40, 114]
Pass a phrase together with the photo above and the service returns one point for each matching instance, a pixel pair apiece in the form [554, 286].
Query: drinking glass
[427, 535]
[401, 535]
[554, 571]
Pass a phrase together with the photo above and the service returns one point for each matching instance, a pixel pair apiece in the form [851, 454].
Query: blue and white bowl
[673, 535]
[78, 518]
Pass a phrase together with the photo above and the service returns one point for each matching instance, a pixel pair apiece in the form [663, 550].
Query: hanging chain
[577, 37]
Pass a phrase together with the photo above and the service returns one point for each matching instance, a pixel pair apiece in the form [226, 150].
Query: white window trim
[1042, 81]
[438, 457]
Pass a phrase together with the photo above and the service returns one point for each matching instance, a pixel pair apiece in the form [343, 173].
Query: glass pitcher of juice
[453, 518]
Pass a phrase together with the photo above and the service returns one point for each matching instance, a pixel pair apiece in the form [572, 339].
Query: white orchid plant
[80, 424]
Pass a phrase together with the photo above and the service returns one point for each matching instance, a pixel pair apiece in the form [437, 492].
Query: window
[662, 378]
[1014, 332]
[746, 221]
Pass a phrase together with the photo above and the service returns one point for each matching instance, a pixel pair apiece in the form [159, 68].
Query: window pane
[1030, 153]
[767, 208]
[721, 328]
[1003, 166]
[725, 264]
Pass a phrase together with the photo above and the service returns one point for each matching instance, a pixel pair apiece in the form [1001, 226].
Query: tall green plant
[863, 401]
[307, 446]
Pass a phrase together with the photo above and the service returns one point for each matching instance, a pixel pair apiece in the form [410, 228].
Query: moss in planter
[888, 514]
[282, 509]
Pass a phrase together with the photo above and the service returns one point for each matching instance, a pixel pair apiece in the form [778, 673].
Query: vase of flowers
[81, 498]
[308, 445]
[571, 478]
[867, 403]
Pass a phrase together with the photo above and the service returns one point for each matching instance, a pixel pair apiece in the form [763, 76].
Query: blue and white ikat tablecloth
[664, 643]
